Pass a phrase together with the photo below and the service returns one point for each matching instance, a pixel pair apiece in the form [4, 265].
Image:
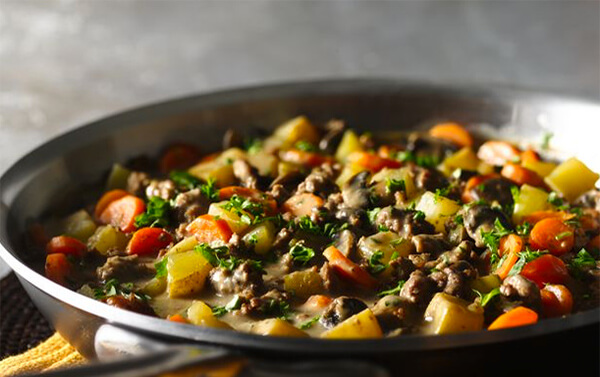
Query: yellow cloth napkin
[53, 353]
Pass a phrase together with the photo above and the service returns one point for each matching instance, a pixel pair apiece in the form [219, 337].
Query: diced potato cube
[571, 179]
[404, 174]
[117, 179]
[350, 143]
[201, 314]
[462, 159]
[277, 327]
[186, 273]
[386, 242]
[542, 168]
[349, 171]
[79, 225]
[260, 237]
[437, 209]
[531, 199]
[221, 172]
[484, 168]
[107, 237]
[235, 221]
[485, 284]
[265, 163]
[155, 287]
[447, 314]
[295, 130]
[185, 244]
[360, 326]
[303, 283]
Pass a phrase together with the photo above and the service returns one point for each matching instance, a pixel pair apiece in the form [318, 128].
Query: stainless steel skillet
[79, 158]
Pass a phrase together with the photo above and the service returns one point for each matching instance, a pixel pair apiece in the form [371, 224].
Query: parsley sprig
[156, 215]
[220, 257]
[393, 291]
[234, 304]
[492, 238]
[310, 323]
[485, 298]
[301, 254]
[113, 288]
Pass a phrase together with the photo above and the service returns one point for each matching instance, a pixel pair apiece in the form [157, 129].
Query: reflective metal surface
[81, 157]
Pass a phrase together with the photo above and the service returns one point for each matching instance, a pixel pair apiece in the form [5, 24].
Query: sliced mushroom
[356, 192]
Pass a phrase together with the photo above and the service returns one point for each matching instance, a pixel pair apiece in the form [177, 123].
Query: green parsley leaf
[329, 229]
[234, 304]
[306, 146]
[524, 229]
[484, 299]
[253, 146]
[185, 179]
[310, 323]
[375, 264]
[546, 140]
[372, 214]
[301, 253]
[524, 258]
[563, 235]
[156, 215]
[161, 268]
[276, 308]
[113, 288]
[210, 190]
[393, 291]
[582, 260]
[393, 185]
[419, 215]
[492, 238]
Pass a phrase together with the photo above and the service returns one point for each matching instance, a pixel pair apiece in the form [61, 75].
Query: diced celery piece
[79, 225]
[117, 179]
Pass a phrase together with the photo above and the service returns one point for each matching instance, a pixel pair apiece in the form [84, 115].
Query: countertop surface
[64, 63]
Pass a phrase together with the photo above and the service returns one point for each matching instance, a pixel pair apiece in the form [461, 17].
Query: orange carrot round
[552, 235]
[148, 241]
[121, 213]
[519, 316]
[498, 153]
[538, 216]
[296, 156]
[521, 175]
[178, 157]
[208, 229]
[177, 318]
[66, 245]
[452, 132]
[107, 198]
[530, 155]
[472, 183]
[57, 268]
[372, 162]
[557, 300]
[510, 246]
[546, 269]
[316, 302]
[302, 204]
[348, 269]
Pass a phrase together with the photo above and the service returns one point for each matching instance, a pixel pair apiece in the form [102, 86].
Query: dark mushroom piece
[356, 191]
[335, 130]
[341, 309]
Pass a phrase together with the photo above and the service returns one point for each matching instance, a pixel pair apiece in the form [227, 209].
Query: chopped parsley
[484, 299]
[161, 268]
[210, 190]
[419, 215]
[524, 258]
[306, 146]
[156, 215]
[249, 211]
[424, 161]
[563, 235]
[492, 238]
[557, 201]
[328, 229]
[376, 266]
[232, 305]
[444, 191]
[582, 260]
[459, 220]
[219, 257]
[113, 288]
[524, 229]
[310, 323]
[276, 308]
[301, 254]
[546, 140]
[393, 291]
[393, 185]
[253, 145]
[185, 179]
[372, 214]
[515, 192]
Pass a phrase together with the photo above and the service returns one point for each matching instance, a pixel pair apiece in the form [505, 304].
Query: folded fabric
[53, 353]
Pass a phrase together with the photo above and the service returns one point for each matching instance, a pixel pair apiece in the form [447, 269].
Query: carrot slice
[296, 156]
[315, 302]
[270, 205]
[557, 300]
[177, 318]
[302, 204]
[371, 161]
[530, 155]
[208, 229]
[519, 316]
[178, 157]
[65, 245]
[552, 235]
[498, 153]
[57, 268]
[510, 246]
[107, 198]
[121, 213]
[452, 132]
[521, 175]
[387, 151]
[148, 241]
[348, 269]
[538, 216]
[546, 269]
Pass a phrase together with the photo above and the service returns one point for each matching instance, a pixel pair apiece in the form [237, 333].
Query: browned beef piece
[429, 179]
[447, 258]
[331, 281]
[268, 305]
[124, 268]
[131, 303]
[284, 185]
[189, 205]
[481, 218]
[401, 268]
[590, 199]
[403, 222]
[433, 244]
[518, 288]
[418, 289]
[494, 190]
[341, 309]
[243, 278]
[245, 173]
[164, 189]
[334, 132]
[321, 181]
[455, 280]
[137, 182]
[393, 312]
[424, 145]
